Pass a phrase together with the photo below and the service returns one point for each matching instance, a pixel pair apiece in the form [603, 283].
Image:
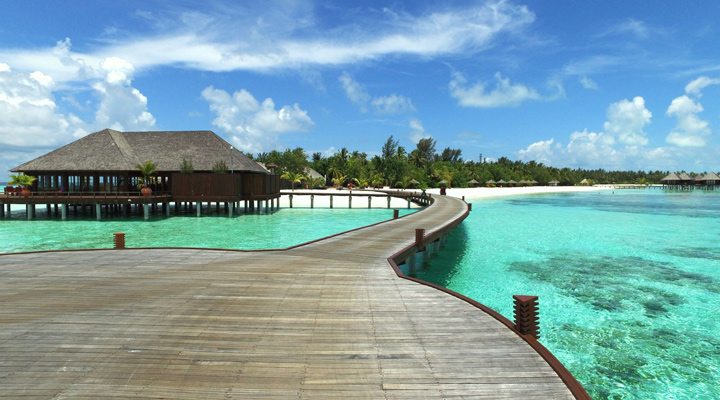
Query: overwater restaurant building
[101, 169]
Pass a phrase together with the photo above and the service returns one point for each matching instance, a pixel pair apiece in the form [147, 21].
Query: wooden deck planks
[326, 320]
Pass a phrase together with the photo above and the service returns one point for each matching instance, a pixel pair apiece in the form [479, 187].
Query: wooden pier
[325, 320]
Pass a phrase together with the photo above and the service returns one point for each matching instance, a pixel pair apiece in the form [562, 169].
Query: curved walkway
[330, 319]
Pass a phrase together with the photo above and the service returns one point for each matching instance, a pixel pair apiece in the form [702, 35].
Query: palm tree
[293, 177]
[21, 180]
[339, 179]
[147, 170]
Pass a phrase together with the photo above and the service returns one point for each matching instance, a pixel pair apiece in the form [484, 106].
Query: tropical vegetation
[425, 166]
[147, 169]
[21, 180]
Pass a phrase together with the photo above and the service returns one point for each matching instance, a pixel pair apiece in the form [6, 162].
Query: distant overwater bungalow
[102, 173]
[683, 181]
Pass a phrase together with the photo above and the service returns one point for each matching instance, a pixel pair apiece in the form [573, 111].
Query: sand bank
[485, 193]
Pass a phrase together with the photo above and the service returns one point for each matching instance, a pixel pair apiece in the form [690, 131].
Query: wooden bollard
[463, 198]
[420, 238]
[527, 318]
[396, 213]
[469, 206]
[119, 240]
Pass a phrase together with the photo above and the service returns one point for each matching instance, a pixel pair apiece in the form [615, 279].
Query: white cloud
[691, 130]
[543, 151]
[630, 26]
[696, 86]
[231, 38]
[627, 119]
[356, 93]
[28, 111]
[252, 125]
[502, 95]
[588, 83]
[393, 104]
[28, 115]
[122, 107]
[417, 131]
[621, 144]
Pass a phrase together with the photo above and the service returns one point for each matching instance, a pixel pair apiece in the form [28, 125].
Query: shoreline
[481, 193]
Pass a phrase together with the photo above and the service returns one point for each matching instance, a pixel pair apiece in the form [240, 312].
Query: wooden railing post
[420, 239]
[119, 240]
[527, 319]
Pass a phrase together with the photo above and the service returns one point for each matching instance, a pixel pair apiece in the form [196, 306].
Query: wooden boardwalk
[327, 320]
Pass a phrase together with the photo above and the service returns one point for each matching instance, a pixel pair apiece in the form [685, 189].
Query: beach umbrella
[473, 182]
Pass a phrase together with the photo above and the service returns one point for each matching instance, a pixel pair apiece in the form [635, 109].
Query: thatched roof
[671, 177]
[312, 174]
[473, 181]
[490, 181]
[685, 177]
[110, 150]
[710, 176]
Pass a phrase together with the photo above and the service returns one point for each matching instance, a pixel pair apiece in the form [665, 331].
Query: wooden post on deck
[469, 206]
[527, 320]
[396, 213]
[350, 200]
[119, 240]
[388, 199]
[312, 201]
[331, 201]
[369, 201]
[420, 238]
[291, 197]
[408, 202]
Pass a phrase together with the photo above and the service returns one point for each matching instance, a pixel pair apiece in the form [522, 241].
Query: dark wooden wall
[212, 186]
[199, 185]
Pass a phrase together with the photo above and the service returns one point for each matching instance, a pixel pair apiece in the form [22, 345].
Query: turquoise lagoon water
[629, 283]
[284, 228]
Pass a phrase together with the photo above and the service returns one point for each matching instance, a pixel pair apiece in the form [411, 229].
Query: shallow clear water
[629, 283]
[284, 228]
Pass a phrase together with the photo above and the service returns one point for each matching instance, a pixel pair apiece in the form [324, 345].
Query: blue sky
[610, 84]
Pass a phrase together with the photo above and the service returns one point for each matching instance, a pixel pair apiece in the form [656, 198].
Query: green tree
[186, 166]
[293, 177]
[21, 180]
[220, 167]
[147, 170]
